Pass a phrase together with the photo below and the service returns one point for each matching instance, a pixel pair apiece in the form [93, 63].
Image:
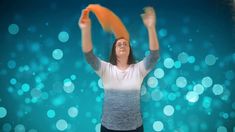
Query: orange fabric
[109, 21]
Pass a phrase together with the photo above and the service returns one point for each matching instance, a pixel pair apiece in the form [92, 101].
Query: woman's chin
[122, 55]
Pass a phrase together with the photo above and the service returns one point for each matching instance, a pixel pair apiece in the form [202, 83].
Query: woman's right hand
[84, 21]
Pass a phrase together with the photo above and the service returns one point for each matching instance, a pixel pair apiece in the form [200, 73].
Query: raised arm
[149, 20]
[85, 26]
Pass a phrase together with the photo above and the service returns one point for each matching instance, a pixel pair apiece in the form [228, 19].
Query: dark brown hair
[113, 57]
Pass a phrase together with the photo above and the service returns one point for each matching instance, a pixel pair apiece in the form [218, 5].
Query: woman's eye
[122, 44]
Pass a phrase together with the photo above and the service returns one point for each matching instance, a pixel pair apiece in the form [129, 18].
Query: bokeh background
[46, 84]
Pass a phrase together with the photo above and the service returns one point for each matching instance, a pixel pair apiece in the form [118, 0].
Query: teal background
[198, 28]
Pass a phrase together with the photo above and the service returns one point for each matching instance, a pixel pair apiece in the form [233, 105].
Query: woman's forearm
[153, 40]
[86, 40]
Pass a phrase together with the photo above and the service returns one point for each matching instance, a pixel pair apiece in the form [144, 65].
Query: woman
[122, 77]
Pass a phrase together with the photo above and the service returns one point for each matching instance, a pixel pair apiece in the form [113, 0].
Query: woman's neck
[122, 64]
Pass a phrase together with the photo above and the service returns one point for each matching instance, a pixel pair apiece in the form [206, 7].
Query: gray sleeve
[92, 60]
[151, 59]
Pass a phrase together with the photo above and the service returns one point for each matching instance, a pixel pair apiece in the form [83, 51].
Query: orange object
[109, 21]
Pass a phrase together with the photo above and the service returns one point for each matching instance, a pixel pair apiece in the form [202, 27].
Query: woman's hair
[113, 57]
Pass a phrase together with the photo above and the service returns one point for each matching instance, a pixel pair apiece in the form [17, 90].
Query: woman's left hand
[149, 17]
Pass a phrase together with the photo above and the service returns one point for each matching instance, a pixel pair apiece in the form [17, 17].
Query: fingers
[149, 13]
[149, 10]
[84, 15]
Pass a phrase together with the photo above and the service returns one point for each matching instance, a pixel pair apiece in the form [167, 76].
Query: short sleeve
[102, 69]
[148, 63]
[96, 63]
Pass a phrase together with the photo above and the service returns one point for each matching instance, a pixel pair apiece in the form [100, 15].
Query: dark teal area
[196, 27]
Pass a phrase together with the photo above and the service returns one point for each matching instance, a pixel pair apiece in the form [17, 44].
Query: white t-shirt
[121, 107]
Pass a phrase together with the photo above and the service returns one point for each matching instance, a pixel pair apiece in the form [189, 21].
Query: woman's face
[122, 48]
